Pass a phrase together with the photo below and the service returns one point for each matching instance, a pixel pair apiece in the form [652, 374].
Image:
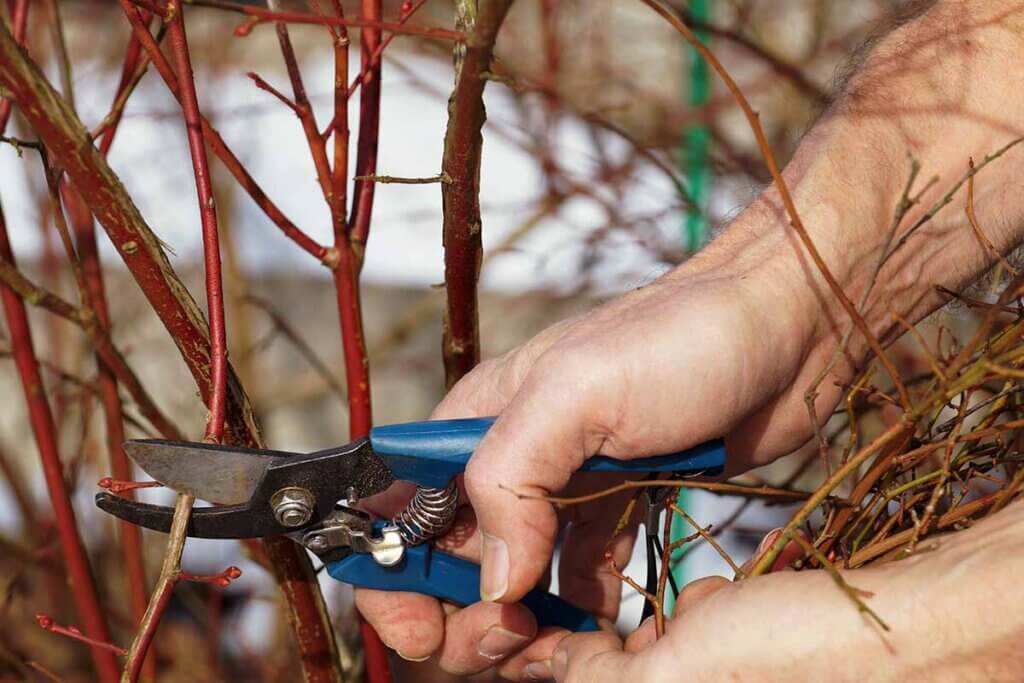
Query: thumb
[532, 450]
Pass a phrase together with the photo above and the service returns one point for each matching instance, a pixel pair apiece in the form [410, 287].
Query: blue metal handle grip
[431, 453]
[446, 577]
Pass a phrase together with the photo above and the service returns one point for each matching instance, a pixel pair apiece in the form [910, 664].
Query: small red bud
[232, 572]
[405, 10]
[45, 621]
[245, 28]
[117, 486]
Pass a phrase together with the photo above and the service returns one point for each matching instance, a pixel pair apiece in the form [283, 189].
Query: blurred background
[610, 155]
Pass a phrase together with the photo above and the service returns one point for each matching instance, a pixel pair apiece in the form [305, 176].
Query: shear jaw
[349, 530]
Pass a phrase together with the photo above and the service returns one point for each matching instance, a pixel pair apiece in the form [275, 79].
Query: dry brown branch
[855, 595]
[781, 495]
[972, 218]
[706, 535]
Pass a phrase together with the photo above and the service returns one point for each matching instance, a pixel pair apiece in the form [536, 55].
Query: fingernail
[768, 540]
[494, 572]
[559, 663]
[499, 642]
[412, 659]
[537, 671]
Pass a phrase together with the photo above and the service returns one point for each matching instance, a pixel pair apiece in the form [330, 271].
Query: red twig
[133, 59]
[83, 587]
[85, 236]
[367, 68]
[266, 87]
[369, 131]
[131, 535]
[219, 147]
[67, 141]
[124, 488]
[366, 21]
[218, 369]
[211, 240]
[19, 22]
[47, 623]
[222, 579]
[349, 243]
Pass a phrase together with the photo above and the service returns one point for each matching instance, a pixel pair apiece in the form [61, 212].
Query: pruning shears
[311, 498]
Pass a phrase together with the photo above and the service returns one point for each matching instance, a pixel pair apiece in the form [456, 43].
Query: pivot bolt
[293, 506]
[316, 543]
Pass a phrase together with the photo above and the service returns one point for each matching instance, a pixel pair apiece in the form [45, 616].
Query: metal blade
[228, 476]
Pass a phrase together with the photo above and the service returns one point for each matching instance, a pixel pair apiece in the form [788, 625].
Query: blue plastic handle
[446, 577]
[432, 453]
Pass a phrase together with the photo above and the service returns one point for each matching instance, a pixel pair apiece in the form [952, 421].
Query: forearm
[940, 90]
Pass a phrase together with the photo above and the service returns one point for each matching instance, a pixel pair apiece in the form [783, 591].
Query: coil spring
[430, 512]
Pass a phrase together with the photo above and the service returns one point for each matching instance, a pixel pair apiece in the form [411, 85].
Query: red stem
[19, 20]
[463, 143]
[47, 623]
[131, 62]
[65, 138]
[218, 368]
[131, 535]
[83, 588]
[134, 666]
[366, 68]
[217, 144]
[346, 278]
[217, 401]
[88, 252]
[369, 131]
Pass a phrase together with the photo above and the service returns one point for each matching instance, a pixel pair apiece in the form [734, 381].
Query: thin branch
[83, 586]
[386, 179]
[709, 538]
[300, 344]
[37, 296]
[219, 147]
[62, 132]
[217, 401]
[781, 495]
[266, 87]
[170, 574]
[260, 14]
[854, 594]
[783, 190]
[972, 218]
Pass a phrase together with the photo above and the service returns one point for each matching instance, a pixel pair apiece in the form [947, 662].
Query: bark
[460, 192]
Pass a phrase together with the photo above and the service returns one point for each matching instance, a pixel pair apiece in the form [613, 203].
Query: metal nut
[293, 506]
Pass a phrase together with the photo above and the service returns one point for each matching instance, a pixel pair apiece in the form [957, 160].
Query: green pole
[694, 161]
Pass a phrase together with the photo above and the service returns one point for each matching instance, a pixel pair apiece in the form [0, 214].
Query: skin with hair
[749, 323]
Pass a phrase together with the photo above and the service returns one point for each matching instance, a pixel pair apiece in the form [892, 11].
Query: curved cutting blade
[217, 474]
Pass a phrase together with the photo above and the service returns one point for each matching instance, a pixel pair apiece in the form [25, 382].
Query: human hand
[711, 346]
[799, 626]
